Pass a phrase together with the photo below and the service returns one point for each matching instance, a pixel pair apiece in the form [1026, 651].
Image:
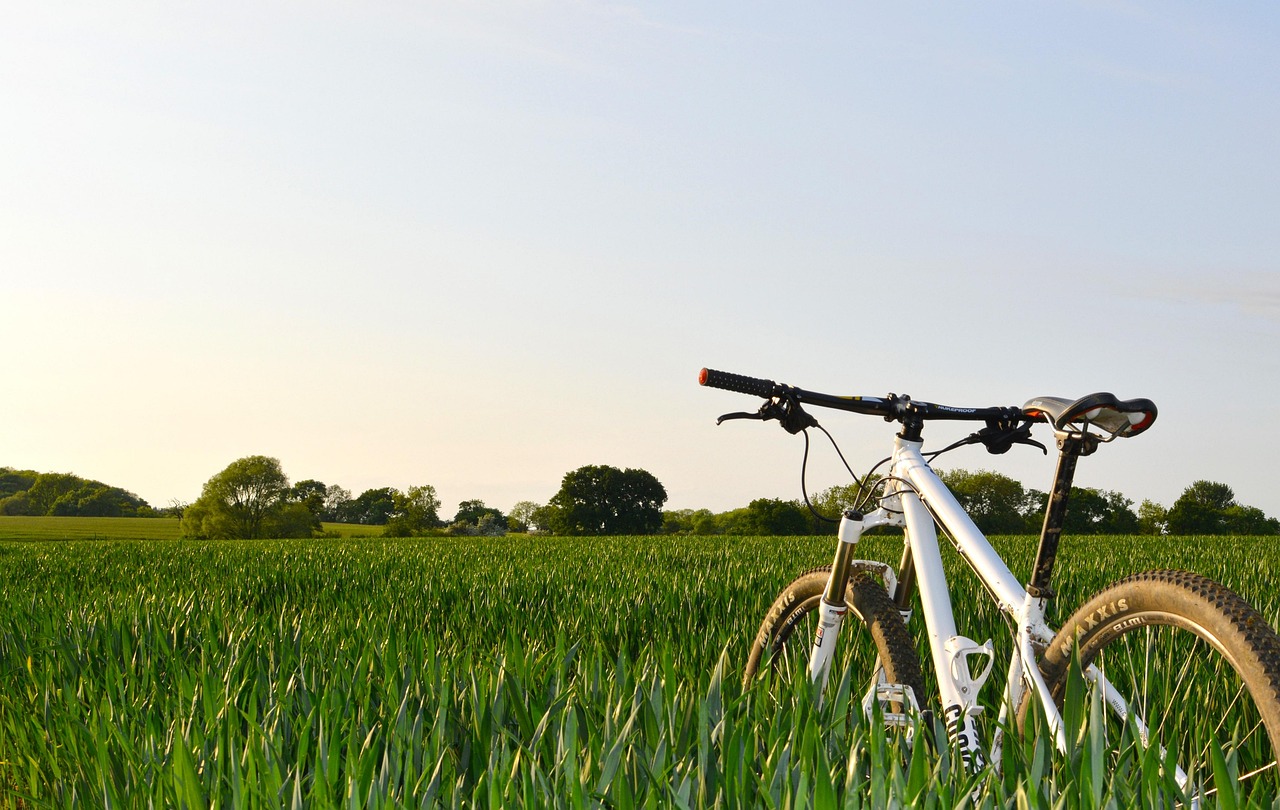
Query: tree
[373, 507]
[1152, 518]
[772, 516]
[246, 500]
[599, 499]
[1250, 520]
[832, 502]
[99, 501]
[335, 502]
[65, 495]
[472, 512]
[310, 493]
[521, 516]
[14, 481]
[1092, 511]
[413, 511]
[689, 521]
[474, 517]
[48, 489]
[1201, 509]
[1208, 507]
[997, 503]
[16, 504]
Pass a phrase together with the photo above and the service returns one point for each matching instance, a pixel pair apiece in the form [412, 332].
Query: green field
[85, 528]
[14, 527]
[466, 672]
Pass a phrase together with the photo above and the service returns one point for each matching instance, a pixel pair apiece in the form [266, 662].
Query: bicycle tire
[873, 624]
[1197, 662]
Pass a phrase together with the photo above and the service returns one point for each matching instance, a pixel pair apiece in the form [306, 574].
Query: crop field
[487, 672]
[14, 527]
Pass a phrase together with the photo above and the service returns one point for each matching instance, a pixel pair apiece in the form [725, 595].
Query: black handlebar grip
[736, 382]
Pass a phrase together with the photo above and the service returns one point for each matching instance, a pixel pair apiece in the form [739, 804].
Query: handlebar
[753, 386]
[894, 408]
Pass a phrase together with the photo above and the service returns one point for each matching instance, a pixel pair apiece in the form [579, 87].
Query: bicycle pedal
[887, 694]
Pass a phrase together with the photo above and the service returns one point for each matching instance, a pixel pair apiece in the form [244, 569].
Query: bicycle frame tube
[969, 541]
[924, 499]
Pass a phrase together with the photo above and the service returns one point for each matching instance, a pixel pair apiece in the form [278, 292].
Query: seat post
[1071, 446]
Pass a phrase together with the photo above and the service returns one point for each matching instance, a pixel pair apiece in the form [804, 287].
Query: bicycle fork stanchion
[832, 609]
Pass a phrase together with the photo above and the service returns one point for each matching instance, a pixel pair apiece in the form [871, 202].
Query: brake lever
[786, 410]
[999, 439]
[1033, 443]
[741, 415]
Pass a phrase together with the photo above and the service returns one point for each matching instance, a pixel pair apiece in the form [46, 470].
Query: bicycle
[1136, 642]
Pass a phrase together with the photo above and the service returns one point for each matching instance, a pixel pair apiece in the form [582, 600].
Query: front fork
[832, 608]
[960, 687]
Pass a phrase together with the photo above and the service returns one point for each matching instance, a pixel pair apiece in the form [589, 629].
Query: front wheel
[873, 635]
[1198, 667]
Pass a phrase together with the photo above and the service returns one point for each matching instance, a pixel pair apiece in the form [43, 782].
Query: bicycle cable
[866, 490]
[804, 490]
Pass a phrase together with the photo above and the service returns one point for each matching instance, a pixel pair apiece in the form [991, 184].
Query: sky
[478, 245]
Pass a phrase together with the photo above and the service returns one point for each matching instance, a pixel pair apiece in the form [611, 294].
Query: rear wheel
[1196, 664]
[873, 634]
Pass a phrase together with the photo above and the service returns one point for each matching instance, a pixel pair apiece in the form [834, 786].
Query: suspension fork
[832, 608]
[906, 579]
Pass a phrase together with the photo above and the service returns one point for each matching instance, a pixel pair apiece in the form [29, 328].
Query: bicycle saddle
[1127, 417]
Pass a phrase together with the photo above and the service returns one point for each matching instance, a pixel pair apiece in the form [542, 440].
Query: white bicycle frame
[916, 499]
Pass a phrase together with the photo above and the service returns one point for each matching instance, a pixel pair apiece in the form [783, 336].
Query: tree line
[253, 498]
[26, 492]
[998, 504]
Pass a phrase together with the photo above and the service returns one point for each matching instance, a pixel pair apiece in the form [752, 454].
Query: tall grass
[468, 672]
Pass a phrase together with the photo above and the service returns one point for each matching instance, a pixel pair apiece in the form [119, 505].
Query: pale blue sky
[479, 245]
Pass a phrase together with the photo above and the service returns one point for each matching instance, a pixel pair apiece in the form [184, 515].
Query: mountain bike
[1150, 645]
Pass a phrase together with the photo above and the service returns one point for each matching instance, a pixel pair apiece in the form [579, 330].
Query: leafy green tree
[311, 494]
[373, 507]
[16, 504]
[472, 512]
[599, 499]
[1201, 509]
[66, 495]
[1250, 520]
[1152, 518]
[521, 516]
[1209, 507]
[415, 510]
[246, 500]
[1092, 511]
[14, 481]
[997, 503]
[736, 522]
[543, 517]
[291, 519]
[772, 516]
[48, 489]
[336, 499]
[689, 521]
[832, 502]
